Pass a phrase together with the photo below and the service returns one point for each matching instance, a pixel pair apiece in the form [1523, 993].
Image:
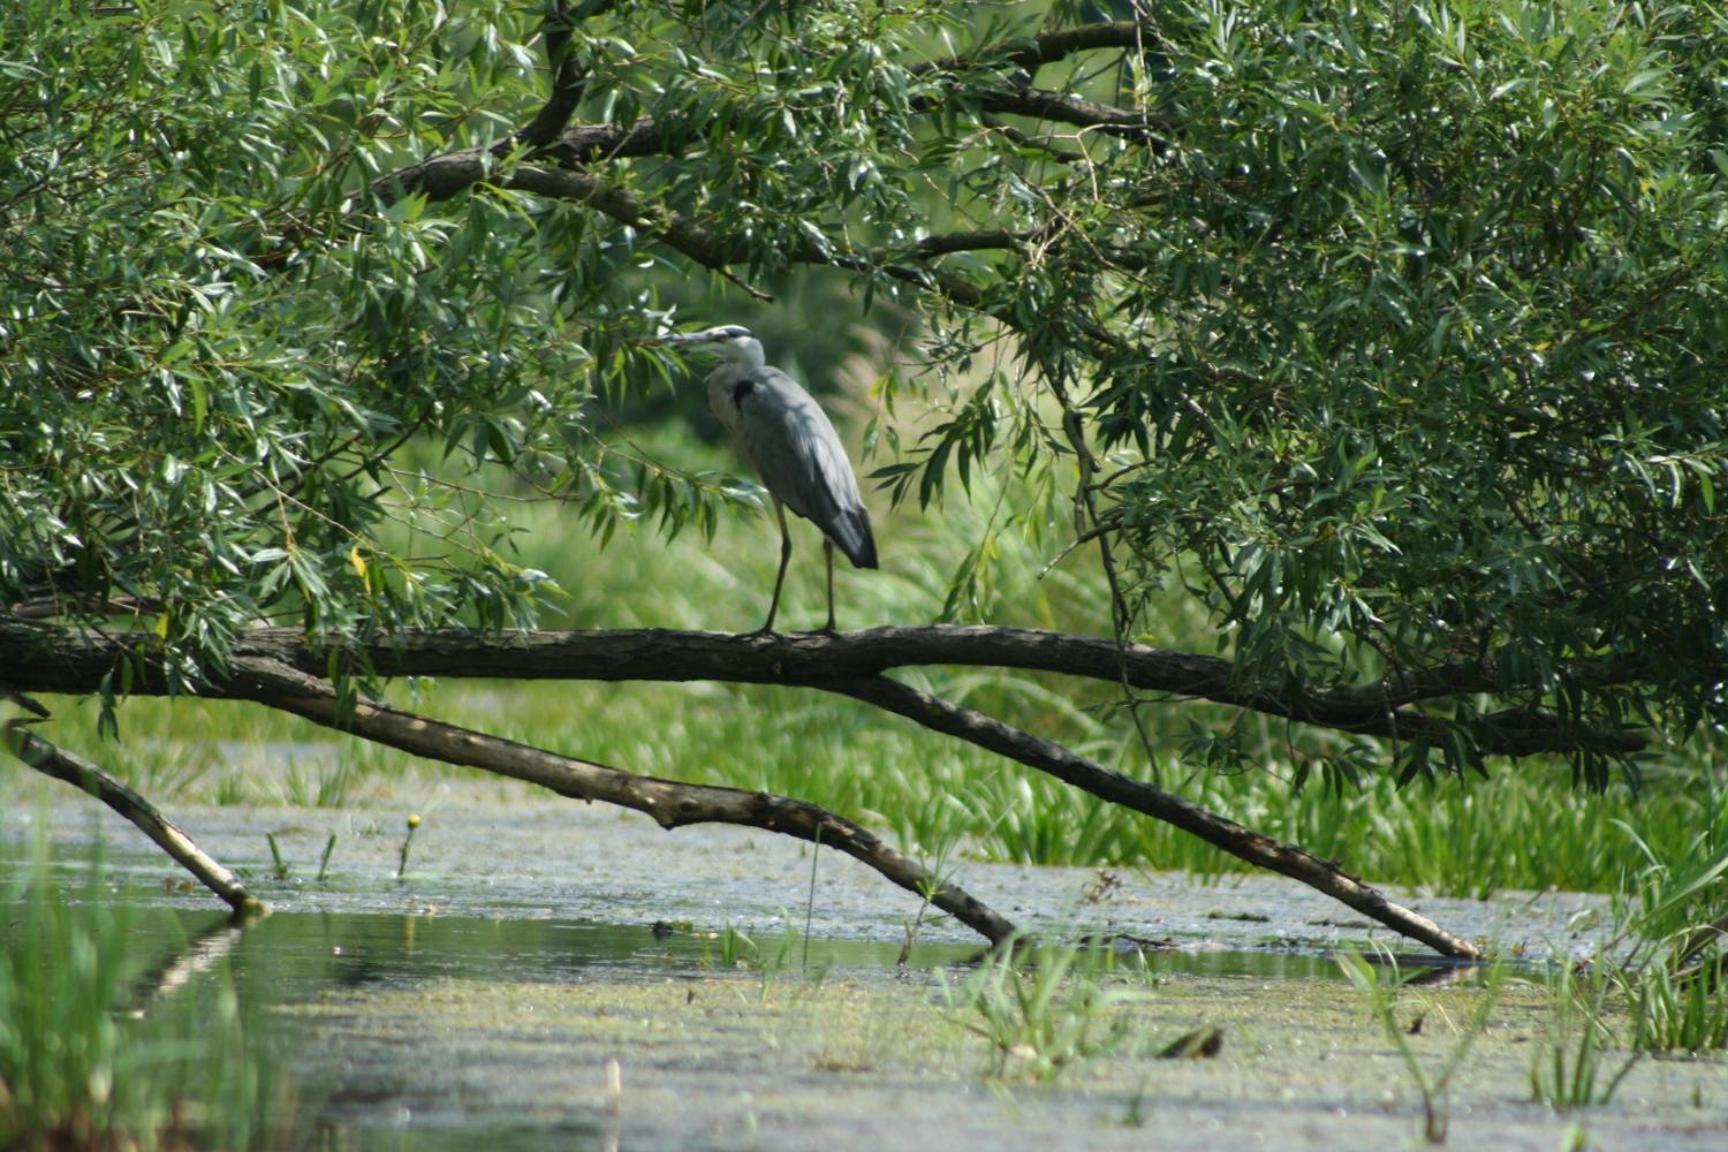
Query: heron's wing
[802, 461]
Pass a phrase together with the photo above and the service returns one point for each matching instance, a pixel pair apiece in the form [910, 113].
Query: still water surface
[563, 980]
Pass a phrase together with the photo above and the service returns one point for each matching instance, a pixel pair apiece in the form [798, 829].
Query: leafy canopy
[1392, 333]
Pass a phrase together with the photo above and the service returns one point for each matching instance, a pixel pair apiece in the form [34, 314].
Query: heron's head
[732, 341]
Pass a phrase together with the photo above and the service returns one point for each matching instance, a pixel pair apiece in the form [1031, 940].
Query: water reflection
[307, 953]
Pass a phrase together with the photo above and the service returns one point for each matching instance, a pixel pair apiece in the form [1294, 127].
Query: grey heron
[792, 444]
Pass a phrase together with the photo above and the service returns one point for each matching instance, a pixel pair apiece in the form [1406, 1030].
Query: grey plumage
[794, 447]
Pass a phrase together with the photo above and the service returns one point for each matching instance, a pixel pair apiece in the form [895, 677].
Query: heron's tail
[851, 533]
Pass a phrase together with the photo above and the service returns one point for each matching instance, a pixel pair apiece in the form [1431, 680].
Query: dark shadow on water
[306, 954]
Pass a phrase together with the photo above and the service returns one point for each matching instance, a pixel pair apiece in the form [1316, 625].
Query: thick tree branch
[1052, 45]
[670, 803]
[441, 177]
[1015, 95]
[570, 150]
[1046, 756]
[449, 174]
[569, 78]
[596, 143]
[945, 243]
[44, 659]
[87, 777]
[711, 249]
[1025, 140]
[547, 137]
[276, 668]
[444, 176]
[1062, 108]
[1056, 44]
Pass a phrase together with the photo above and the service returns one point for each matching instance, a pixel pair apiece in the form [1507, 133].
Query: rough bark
[1243, 843]
[276, 667]
[55, 660]
[672, 804]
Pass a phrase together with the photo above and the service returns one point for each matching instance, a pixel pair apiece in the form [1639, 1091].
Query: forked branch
[277, 668]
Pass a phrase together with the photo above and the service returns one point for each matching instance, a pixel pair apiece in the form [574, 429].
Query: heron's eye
[741, 390]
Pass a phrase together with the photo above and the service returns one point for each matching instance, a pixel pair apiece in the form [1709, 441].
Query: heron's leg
[785, 558]
[828, 551]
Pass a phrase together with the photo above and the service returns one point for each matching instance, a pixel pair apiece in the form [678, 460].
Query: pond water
[548, 975]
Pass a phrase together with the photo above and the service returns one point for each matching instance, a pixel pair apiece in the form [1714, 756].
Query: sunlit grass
[1045, 1008]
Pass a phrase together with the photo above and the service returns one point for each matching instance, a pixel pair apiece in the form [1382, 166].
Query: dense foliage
[1422, 329]
[1390, 332]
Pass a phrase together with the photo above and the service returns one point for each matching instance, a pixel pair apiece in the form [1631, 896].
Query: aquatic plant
[413, 825]
[324, 860]
[1675, 915]
[279, 866]
[1569, 1069]
[88, 1060]
[735, 949]
[1042, 1007]
[1379, 984]
[1678, 1010]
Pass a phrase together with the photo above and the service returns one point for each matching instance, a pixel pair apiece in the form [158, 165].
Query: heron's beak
[701, 337]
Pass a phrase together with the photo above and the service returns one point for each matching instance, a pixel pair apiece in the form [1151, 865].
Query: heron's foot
[764, 632]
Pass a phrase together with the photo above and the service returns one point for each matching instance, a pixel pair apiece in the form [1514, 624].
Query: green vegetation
[279, 866]
[1571, 1067]
[1671, 981]
[1043, 1006]
[1382, 339]
[1375, 348]
[413, 824]
[1379, 984]
[1677, 1011]
[89, 1059]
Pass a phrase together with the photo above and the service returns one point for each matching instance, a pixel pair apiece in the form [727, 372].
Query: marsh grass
[1673, 913]
[86, 1062]
[732, 949]
[279, 866]
[1678, 1010]
[1380, 985]
[1044, 1007]
[1525, 827]
[1573, 1065]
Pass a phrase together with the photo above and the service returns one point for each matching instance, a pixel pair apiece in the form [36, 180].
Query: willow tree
[1389, 334]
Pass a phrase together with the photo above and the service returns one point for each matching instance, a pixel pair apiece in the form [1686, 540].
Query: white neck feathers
[745, 351]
